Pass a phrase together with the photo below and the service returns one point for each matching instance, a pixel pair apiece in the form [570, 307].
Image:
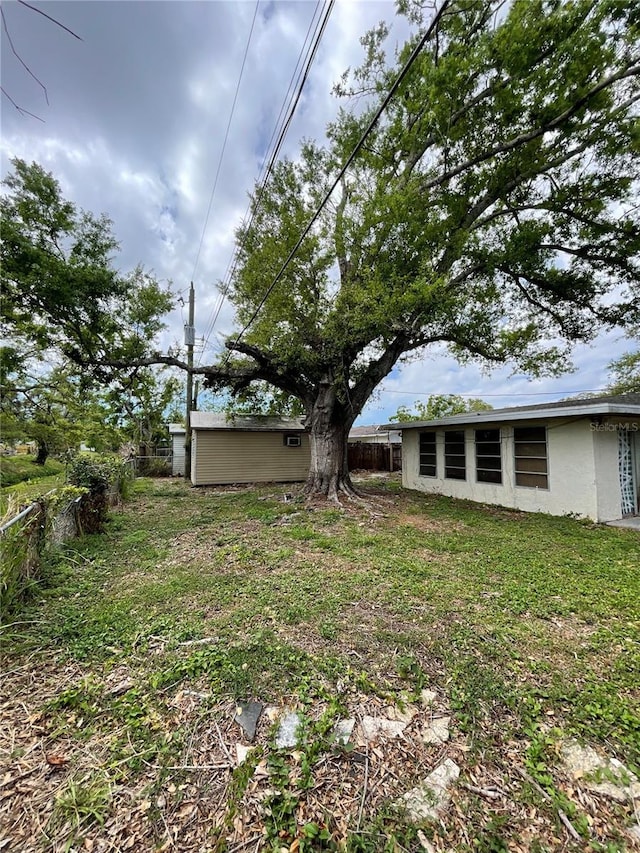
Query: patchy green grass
[21, 479]
[17, 469]
[527, 624]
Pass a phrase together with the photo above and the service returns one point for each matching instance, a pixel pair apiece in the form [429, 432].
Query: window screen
[530, 444]
[488, 456]
[428, 454]
[454, 456]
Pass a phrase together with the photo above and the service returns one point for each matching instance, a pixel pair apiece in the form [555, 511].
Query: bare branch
[20, 59]
[53, 20]
[147, 361]
[21, 110]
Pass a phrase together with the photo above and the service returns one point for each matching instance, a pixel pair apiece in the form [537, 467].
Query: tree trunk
[329, 425]
[43, 453]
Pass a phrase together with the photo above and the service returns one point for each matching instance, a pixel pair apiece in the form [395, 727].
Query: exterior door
[627, 473]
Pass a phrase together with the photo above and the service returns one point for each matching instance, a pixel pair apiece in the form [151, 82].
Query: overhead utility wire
[481, 394]
[234, 258]
[224, 144]
[266, 174]
[403, 73]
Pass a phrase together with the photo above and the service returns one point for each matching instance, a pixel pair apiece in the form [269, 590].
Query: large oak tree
[491, 209]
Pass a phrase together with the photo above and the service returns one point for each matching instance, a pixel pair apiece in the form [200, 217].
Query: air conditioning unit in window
[292, 440]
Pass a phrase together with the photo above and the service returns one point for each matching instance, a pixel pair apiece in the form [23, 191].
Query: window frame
[534, 443]
[460, 439]
[480, 439]
[422, 454]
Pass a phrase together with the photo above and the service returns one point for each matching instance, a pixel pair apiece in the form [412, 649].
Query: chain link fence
[46, 523]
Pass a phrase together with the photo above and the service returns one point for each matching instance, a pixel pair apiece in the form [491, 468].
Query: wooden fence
[374, 457]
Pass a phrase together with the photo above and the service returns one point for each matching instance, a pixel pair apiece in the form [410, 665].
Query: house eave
[582, 410]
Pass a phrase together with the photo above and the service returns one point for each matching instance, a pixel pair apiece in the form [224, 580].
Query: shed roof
[247, 423]
[373, 429]
[621, 404]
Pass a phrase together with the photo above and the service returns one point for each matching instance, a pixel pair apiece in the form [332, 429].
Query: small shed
[247, 449]
[177, 434]
[578, 457]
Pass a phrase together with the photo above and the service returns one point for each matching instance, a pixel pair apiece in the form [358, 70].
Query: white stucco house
[374, 435]
[579, 457]
[242, 449]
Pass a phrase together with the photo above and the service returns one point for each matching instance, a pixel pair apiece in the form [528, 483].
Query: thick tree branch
[590, 252]
[131, 363]
[265, 368]
[472, 219]
[567, 325]
[523, 138]
[375, 373]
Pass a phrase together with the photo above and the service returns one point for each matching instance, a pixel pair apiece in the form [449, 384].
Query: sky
[135, 128]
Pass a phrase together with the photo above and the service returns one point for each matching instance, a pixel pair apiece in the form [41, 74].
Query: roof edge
[582, 409]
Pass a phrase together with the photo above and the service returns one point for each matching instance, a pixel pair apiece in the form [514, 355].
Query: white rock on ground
[432, 794]
[606, 776]
[287, 736]
[436, 731]
[343, 730]
[374, 727]
[428, 697]
[241, 752]
[405, 715]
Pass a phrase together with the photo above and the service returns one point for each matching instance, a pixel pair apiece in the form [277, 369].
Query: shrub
[91, 472]
[154, 466]
[106, 479]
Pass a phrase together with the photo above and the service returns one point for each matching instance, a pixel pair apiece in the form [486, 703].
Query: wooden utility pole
[189, 339]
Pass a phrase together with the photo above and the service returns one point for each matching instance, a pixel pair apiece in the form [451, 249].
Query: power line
[233, 261]
[403, 73]
[265, 173]
[479, 393]
[224, 144]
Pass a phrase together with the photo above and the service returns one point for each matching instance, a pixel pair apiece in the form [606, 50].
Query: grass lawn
[22, 479]
[123, 672]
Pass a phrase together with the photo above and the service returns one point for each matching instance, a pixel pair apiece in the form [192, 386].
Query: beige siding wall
[233, 456]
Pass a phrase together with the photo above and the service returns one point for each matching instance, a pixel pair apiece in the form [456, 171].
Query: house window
[488, 456]
[292, 441]
[428, 454]
[530, 447]
[454, 456]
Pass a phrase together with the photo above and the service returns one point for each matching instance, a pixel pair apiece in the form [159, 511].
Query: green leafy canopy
[490, 210]
[59, 286]
[67, 312]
